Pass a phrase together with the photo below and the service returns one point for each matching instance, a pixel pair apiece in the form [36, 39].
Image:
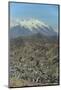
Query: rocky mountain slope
[33, 58]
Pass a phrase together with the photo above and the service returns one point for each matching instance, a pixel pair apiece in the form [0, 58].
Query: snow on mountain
[28, 27]
[28, 23]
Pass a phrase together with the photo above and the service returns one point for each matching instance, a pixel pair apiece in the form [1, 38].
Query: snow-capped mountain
[29, 27]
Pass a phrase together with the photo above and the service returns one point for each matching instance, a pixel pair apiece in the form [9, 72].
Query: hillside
[33, 61]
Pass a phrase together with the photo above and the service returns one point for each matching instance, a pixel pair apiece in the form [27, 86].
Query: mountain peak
[31, 26]
[28, 23]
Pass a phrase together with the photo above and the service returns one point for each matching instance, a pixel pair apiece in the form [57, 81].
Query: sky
[43, 12]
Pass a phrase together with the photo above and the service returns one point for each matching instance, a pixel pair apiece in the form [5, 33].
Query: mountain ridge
[29, 27]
